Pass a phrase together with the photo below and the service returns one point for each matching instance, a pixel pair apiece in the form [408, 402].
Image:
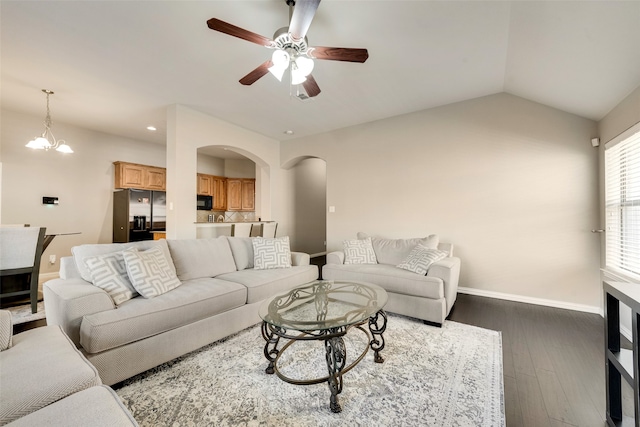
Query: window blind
[622, 198]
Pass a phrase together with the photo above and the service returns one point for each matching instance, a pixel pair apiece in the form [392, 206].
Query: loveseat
[217, 292]
[420, 275]
[46, 381]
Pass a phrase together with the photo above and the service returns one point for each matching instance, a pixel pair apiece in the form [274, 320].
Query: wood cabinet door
[156, 178]
[219, 193]
[205, 185]
[234, 194]
[129, 175]
[248, 194]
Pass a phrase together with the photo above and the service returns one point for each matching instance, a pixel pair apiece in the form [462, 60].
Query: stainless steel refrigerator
[137, 214]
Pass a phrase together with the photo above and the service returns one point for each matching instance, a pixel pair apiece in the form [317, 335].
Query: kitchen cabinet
[144, 177]
[241, 194]
[205, 185]
[219, 188]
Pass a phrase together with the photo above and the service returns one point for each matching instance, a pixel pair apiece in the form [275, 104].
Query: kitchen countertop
[230, 222]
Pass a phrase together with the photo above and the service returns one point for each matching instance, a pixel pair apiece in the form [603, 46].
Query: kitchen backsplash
[229, 216]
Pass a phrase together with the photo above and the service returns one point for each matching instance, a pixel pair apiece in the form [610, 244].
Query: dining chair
[268, 229]
[241, 229]
[20, 254]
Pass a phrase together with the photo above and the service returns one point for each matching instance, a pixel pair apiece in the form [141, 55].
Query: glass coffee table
[324, 311]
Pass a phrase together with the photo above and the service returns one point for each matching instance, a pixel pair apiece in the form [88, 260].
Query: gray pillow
[196, 258]
[150, 272]
[421, 258]
[394, 251]
[109, 272]
[80, 253]
[242, 250]
[271, 253]
[359, 251]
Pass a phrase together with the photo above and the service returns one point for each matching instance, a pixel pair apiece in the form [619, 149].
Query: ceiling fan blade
[303, 13]
[232, 30]
[256, 74]
[339, 54]
[311, 87]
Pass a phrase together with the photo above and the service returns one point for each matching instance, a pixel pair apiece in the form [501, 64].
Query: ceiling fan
[291, 49]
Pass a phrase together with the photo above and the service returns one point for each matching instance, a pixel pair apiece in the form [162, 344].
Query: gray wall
[512, 183]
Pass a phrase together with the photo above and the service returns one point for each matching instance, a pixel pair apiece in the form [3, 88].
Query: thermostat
[49, 200]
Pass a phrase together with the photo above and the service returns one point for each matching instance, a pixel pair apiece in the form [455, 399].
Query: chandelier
[47, 141]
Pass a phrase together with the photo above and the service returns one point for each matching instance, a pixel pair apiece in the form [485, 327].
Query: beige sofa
[46, 381]
[219, 294]
[428, 297]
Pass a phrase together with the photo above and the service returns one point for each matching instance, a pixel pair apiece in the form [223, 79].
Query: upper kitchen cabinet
[241, 194]
[205, 185]
[133, 175]
[219, 187]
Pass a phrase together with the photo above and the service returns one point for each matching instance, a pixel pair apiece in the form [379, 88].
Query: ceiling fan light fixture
[280, 60]
[304, 65]
[297, 77]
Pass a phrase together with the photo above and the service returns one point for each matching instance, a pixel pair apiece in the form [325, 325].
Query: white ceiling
[116, 65]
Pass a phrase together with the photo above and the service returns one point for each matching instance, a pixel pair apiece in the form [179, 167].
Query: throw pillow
[421, 258]
[359, 251]
[6, 330]
[271, 253]
[150, 272]
[394, 251]
[109, 272]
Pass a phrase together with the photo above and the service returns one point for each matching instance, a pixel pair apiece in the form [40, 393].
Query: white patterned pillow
[421, 258]
[271, 253]
[359, 251]
[109, 272]
[150, 272]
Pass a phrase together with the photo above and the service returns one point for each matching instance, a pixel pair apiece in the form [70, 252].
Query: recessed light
[151, 128]
[288, 132]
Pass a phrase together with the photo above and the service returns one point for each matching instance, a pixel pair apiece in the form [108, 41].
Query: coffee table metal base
[335, 351]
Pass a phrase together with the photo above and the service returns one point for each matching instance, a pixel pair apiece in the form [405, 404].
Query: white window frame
[622, 204]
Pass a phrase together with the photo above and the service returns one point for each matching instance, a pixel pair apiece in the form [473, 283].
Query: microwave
[204, 203]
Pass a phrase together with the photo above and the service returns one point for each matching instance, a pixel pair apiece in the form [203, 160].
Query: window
[622, 196]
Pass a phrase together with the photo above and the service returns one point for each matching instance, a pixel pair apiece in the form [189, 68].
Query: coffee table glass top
[322, 305]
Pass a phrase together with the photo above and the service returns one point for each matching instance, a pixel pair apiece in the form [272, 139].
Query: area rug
[22, 313]
[449, 376]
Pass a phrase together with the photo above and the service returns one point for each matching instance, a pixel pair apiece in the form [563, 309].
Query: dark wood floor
[553, 361]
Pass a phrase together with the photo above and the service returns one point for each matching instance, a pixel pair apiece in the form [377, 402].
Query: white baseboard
[532, 300]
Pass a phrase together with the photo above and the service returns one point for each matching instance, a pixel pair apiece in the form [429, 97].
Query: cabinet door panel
[234, 194]
[156, 178]
[204, 185]
[248, 194]
[219, 193]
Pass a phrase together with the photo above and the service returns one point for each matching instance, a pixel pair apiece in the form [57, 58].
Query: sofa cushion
[151, 272]
[394, 251]
[262, 284]
[80, 253]
[421, 258]
[269, 253]
[42, 367]
[140, 318]
[109, 272]
[242, 250]
[389, 277]
[196, 258]
[359, 251]
[97, 406]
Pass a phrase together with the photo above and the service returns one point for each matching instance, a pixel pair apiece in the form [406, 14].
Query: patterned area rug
[449, 376]
[22, 313]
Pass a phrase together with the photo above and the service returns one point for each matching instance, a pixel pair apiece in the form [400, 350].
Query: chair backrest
[20, 247]
[241, 229]
[269, 229]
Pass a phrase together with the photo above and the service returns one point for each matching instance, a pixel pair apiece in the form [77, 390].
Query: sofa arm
[68, 301]
[336, 257]
[300, 258]
[6, 330]
[68, 269]
[448, 270]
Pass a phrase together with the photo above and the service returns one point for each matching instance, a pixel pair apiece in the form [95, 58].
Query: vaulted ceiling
[116, 65]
